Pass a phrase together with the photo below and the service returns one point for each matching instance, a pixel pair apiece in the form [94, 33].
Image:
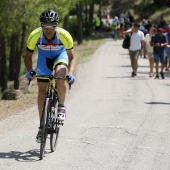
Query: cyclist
[55, 53]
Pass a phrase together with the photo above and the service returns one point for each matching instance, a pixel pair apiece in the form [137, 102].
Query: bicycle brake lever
[69, 84]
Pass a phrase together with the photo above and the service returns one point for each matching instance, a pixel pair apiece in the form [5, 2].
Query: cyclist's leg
[44, 67]
[41, 92]
[60, 67]
[60, 71]
[40, 100]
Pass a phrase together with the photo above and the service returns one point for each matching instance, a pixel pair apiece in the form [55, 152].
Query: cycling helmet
[49, 16]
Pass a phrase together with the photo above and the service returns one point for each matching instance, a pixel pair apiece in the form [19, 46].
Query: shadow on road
[29, 156]
[158, 103]
[141, 66]
[117, 77]
[125, 54]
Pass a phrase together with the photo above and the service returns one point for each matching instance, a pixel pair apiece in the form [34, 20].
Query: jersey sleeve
[65, 38]
[33, 38]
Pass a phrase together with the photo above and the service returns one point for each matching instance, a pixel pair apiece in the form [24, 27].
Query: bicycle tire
[54, 135]
[44, 126]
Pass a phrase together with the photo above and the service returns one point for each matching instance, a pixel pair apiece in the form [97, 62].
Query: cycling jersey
[50, 53]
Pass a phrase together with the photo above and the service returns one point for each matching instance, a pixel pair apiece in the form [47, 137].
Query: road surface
[114, 122]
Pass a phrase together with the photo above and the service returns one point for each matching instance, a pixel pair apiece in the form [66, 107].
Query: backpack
[126, 42]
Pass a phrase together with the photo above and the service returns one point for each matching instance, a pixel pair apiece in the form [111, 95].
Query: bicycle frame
[48, 123]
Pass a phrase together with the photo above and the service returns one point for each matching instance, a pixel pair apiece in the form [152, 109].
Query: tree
[3, 72]
[22, 16]
[18, 58]
[91, 12]
[80, 23]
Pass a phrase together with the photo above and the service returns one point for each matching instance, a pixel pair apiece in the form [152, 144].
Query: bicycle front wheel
[54, 135]
[44, 126]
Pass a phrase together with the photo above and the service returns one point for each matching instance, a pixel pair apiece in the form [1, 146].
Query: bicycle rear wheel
[44, 127]
[54, 135]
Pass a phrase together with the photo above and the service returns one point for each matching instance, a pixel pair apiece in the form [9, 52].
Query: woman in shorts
[148, 49]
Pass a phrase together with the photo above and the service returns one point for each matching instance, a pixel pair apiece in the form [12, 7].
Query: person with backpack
[136, 43]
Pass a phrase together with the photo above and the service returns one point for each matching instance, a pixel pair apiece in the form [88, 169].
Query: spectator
[137, 38]
[162, 22]
[97, 23]
[167, 49]
[130, 16]
[148, 25]
[122, 23]
[143, 28]
[107, 13]
[123, 15]
[148, 49]
[128, 24]
[116, 28]
[158, 42]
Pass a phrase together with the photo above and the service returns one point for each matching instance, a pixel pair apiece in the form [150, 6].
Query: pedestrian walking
[158, 42]
[148, 49]
[136, 43]
[167, 50]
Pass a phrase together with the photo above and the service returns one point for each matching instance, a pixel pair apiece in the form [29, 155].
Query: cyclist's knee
[61, 71]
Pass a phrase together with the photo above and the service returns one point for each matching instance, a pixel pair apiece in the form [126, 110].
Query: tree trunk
[100, 9]
[91, 12]
[3, 69]
[86, 19]
[18, 58]
[13, 52]
[80, 23]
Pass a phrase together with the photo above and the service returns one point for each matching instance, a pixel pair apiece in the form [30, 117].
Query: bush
[9, 94]
[72, 22]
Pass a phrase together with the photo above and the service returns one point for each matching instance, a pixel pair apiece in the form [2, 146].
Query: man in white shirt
[136, 43]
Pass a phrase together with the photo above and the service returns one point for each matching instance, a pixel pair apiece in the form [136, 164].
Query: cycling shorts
[45, 66]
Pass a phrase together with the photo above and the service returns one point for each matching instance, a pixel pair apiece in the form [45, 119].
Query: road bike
[49, 124]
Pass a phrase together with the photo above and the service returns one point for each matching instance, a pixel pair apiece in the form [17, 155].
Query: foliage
[72, 26]
[16, 13]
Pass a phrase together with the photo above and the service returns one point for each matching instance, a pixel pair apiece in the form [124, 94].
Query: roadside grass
[83, 52]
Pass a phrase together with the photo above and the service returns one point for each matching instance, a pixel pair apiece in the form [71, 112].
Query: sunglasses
[49, 27]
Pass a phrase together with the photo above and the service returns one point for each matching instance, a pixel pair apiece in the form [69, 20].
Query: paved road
[114, 122]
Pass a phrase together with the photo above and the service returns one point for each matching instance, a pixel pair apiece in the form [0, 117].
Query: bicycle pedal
[61, 123]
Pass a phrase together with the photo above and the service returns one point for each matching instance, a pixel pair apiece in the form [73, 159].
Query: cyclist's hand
[30, 74]
[70, 78]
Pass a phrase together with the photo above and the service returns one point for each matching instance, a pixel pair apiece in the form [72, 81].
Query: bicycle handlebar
[49, 77]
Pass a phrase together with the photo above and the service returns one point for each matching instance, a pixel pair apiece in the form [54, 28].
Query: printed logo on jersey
[50, 47]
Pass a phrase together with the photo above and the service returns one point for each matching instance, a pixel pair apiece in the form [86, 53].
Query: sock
[61, 105]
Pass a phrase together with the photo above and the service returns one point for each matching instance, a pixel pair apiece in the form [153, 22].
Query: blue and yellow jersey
[62, 41]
